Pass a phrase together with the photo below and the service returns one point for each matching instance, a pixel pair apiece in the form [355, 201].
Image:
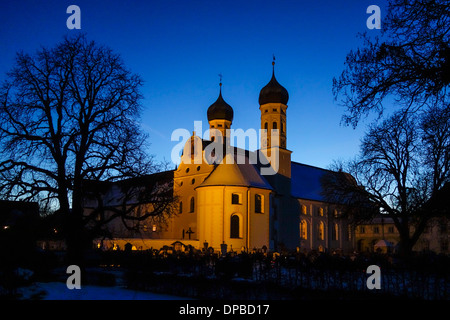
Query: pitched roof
[306, 181]
[235, 173]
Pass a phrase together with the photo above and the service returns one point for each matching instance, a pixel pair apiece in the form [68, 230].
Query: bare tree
[402, 166]
[137, 202]
[69, 114]
[409, 62]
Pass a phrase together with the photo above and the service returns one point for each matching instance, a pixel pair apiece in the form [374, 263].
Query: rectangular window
[376, 229]
[259, 203]
[235, 198]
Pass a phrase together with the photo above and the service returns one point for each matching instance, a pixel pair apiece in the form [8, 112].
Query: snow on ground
[59, 291]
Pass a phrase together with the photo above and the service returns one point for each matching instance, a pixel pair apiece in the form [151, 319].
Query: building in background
[232, 204]
[381, 235]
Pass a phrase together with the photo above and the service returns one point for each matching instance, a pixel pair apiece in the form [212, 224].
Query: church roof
[306, 181]
[220, 109]
[232, 173]
[273, 92]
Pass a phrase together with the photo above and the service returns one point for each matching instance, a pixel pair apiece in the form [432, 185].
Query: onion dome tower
[220, 117]
[273, 100]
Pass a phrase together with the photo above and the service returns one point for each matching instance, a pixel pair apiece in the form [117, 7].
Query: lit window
[303, 230]
[304, 209]
[321, 231]
[320, 212]
[154, 228]
[336, 232]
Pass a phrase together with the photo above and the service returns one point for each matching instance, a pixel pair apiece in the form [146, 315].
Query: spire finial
[273, 66]
[220, 79]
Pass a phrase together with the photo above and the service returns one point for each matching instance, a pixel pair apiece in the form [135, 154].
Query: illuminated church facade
[226, 201]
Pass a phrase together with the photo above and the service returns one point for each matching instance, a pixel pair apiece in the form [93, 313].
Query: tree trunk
[405, 246]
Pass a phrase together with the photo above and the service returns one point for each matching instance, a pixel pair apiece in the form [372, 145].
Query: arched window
[321, 231]
[304, 209]
[192, 206]
[266, 126]
[259, 203]
[320, 212]
[234, 226]
[303, 230]
[181, 206]
[336, 232]
[274, 125]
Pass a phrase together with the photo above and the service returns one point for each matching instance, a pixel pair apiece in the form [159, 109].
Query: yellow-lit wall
[186, 178]
[215, 209]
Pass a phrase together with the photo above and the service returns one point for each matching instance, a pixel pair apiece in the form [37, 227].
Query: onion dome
[273, 92]
[220, 109]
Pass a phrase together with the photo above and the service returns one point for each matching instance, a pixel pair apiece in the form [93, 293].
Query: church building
[235, 199]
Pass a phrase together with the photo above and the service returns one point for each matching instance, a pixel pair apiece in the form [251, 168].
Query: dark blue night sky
[180, 47]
